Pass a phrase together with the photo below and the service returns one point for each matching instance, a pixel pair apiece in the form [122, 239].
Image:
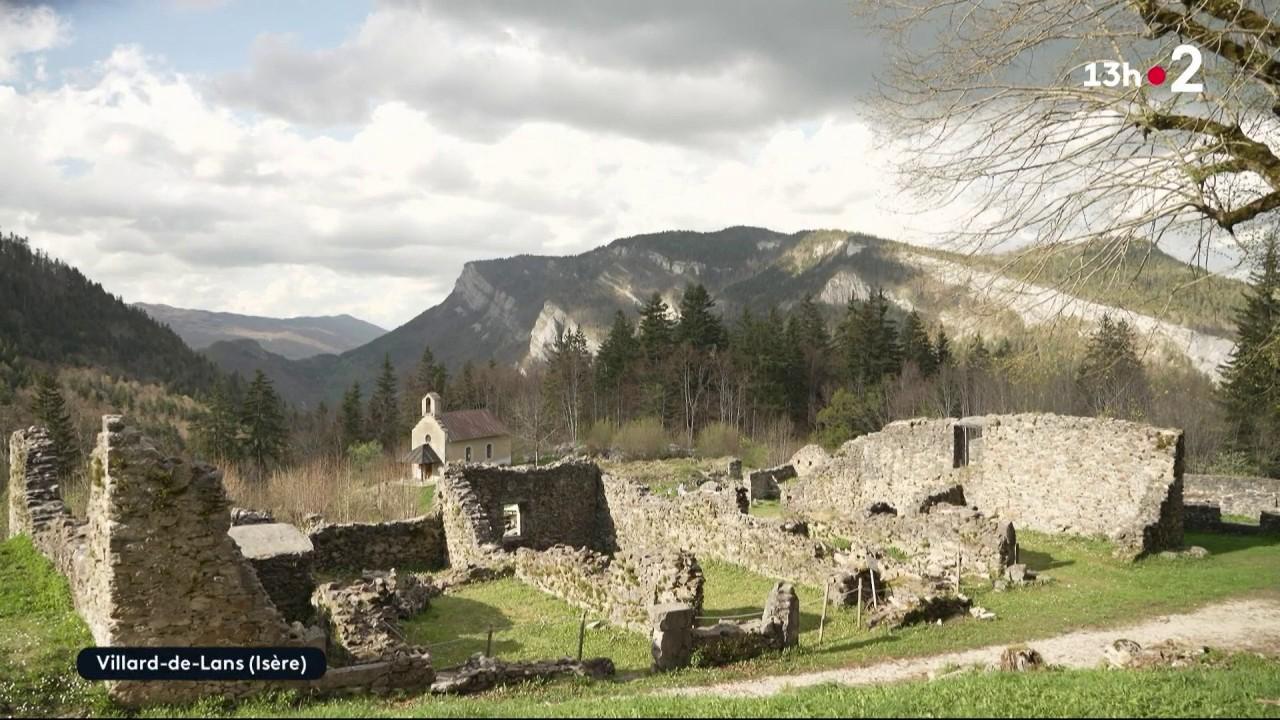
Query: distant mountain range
[291, 338]
[509, 309]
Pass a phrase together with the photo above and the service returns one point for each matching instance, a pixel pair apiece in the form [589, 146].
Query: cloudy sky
[289, 157]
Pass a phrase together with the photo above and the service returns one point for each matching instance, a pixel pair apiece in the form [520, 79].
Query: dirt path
[1240, 625]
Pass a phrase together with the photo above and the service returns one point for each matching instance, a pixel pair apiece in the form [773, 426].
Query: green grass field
[1233, 688]
[40, 634]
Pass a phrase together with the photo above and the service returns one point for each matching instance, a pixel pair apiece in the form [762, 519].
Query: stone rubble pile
[484, 673]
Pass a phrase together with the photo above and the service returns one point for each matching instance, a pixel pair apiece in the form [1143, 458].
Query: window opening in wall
[468, 453]
[488, 451]
[968, 445]
[512, 523]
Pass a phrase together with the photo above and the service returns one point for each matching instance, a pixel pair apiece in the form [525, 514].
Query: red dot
[1156, 75]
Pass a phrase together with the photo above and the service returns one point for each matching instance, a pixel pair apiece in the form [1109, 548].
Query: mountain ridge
[502, 309]
[295, 338]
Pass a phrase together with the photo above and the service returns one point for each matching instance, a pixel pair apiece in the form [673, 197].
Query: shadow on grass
[450, 616]
[837, 645]
[1041, 560]
[1223, 543]
[708, 617]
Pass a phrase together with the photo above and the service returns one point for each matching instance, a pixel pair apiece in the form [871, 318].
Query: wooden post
[859, 625]
[957, 572]
[1015, 552]
[822, 623]
[582, 634]
[488, 644]
[874, 600]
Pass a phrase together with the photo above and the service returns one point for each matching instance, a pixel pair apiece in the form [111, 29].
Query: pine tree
[942, 350]
[265, 433]
[656, 329]
[384, 424]
[51, 412]
[699, 325]
[615, 364]
[1111, 377]
[467, 390]
[428, 376]
[655, 339]
[217, 429]
[1250, 391]
[916, 346]
[869, 340]
[351, 417]
[809, 332]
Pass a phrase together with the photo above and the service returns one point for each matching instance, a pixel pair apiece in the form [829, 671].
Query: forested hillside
[51, 313]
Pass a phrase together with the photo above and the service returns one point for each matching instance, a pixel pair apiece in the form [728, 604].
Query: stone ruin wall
[1234, 494]
[900, 466]
[417, 543]
[936, 541]
[36, 508]
[620, 525]
[559, 505]
[622, 588]
[154, 564]
[710, 524]
[1084, 476]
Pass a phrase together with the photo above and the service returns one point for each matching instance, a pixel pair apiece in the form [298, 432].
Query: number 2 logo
[1183, 83]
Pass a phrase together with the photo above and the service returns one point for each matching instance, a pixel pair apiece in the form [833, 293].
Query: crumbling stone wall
[154, 564]
[763, 484]
[1234, 494]
[810, 459]
[622, 588]
[417, 543]
[1199, 517]
[156, 541]
[677, 641]
[36, 508]
[934, 542]
[1085, 476]
[710, 524]
[897, 469]
[283, 559]
[559, 505]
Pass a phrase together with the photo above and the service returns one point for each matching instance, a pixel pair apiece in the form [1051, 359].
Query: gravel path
[1239, 625]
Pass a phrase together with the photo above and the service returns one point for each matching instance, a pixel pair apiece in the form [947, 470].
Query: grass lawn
[39, 636]
[527, 624]
[1227, 689]
[766, 508]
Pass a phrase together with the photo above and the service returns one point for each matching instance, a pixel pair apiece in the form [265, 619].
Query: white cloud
[149, 182]
[25, 30]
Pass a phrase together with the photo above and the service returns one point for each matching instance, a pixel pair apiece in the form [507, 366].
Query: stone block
[671, 636]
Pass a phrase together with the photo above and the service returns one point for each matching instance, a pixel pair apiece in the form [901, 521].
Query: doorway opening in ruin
[968, 445]
[512, 522]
